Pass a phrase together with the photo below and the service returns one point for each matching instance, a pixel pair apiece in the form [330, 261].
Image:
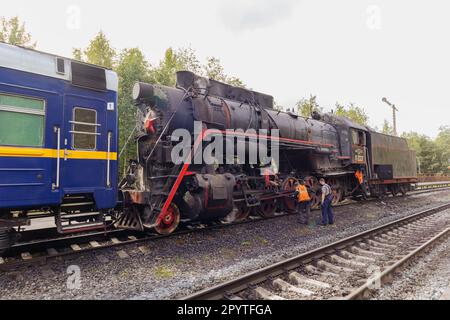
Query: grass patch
[304, 231]
[163, 272]
[179, 260]
[262, 240]
[228, 253]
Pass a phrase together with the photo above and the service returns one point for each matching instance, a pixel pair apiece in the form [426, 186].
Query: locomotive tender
[58, 151]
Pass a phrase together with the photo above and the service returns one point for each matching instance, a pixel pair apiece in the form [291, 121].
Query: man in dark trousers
[303, 201]
[327, 198]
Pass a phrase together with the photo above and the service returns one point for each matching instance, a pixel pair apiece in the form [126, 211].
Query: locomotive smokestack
[143, 92]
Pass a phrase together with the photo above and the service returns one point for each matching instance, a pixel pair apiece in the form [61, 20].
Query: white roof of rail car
[37, 62]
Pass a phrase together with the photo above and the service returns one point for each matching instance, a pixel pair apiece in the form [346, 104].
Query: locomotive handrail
[86, 133]
[85, 123]
[108, 161]
[58, 156]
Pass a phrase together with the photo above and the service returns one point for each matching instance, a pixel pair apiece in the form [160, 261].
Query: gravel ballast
[174, 267]
[425, 278]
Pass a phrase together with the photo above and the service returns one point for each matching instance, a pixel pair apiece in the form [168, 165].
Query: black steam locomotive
[158, 193]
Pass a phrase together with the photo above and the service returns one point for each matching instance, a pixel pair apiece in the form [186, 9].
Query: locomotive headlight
[143, 92]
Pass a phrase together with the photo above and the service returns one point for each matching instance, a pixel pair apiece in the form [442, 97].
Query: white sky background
[347, 51]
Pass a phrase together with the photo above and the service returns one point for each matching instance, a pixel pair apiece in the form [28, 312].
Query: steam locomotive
[59, 151]
[158, 193]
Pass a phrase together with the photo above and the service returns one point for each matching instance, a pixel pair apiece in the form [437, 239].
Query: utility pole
[394, 114]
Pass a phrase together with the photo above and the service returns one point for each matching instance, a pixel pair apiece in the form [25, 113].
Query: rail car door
[25, 143]
[85, 146]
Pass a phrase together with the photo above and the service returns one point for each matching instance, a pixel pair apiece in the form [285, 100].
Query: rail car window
[355, 137]
[84, 129]
[22, 121]
[358, 138]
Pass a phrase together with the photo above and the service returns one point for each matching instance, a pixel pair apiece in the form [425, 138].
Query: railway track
[42, 250]
[351, 268]
[39, 252]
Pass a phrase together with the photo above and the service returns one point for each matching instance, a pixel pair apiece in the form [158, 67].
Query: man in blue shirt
[327, 198]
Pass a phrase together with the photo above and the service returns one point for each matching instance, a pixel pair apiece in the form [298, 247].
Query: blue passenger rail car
[58, 140]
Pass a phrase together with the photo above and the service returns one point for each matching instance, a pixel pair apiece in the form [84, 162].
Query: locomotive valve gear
[304, 202]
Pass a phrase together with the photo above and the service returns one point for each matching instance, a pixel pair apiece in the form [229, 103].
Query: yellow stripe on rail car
[16, 152]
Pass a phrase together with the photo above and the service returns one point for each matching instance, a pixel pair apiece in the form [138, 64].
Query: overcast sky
[347, 51]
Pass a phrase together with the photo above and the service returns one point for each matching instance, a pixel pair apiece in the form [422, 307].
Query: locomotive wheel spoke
[242, 213]
[267, 208]
[337, 196]
[239, 213]
[169, 221]
[290, 204]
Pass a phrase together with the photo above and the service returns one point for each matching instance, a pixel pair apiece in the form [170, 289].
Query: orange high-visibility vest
[303, 195]
[359, 176]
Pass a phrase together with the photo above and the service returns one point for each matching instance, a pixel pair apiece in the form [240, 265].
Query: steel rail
[229, 288]
[387, 275]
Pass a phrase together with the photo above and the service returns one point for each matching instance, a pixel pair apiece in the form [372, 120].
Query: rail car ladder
[80, 220]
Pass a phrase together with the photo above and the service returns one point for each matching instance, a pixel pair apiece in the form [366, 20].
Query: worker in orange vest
[359, 176]
[304, 201]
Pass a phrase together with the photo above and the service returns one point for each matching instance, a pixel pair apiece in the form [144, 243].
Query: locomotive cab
[359, 146]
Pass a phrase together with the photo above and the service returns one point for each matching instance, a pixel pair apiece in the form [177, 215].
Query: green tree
[353, 112]
[12, 31]
[214, 70]
[185, 59]
[305, 107]
[165, 73]
[387, 128]
[188, 61]
[236, 82]
[131, 68]
[77, 54]
[443, 144]
[428, 154]
[277, 106]
[99, 52]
